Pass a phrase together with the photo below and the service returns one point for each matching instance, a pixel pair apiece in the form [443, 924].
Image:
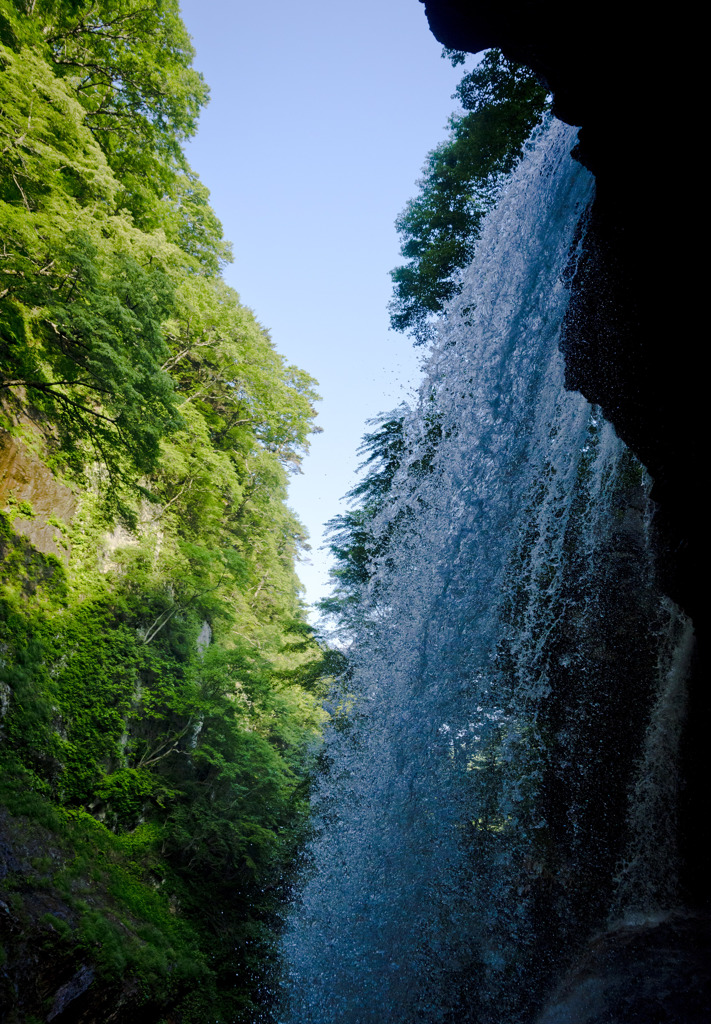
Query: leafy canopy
[129, 63]
[439, 227]
[83, 291]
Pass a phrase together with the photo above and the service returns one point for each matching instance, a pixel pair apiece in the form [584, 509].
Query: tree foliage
[129, 64]
[361, 538]
[439, 227]
[162, 680]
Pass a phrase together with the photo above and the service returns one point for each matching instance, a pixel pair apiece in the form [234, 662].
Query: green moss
[59, 926]
[17, 507]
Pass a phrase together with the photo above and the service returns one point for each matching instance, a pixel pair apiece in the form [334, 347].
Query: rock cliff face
[25, 479]
[630, 340]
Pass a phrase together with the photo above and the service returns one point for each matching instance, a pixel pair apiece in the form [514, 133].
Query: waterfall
[477, 814]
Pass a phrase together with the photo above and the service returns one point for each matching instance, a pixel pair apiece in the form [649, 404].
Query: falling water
[474, 808]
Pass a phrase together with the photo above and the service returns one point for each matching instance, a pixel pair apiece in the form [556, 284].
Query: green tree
[439, 227]
[130, 66]
[353, 543]
[83, 294]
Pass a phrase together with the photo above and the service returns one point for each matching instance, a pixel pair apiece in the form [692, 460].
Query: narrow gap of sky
[320, 119]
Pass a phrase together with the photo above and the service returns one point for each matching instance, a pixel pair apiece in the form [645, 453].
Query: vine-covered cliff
[160, 685]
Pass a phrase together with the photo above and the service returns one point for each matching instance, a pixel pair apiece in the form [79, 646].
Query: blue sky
[320, 118]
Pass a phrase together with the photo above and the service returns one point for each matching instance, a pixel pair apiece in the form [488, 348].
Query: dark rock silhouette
[653, 972]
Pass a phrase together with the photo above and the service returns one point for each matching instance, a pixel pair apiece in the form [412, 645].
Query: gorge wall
[159, 683]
